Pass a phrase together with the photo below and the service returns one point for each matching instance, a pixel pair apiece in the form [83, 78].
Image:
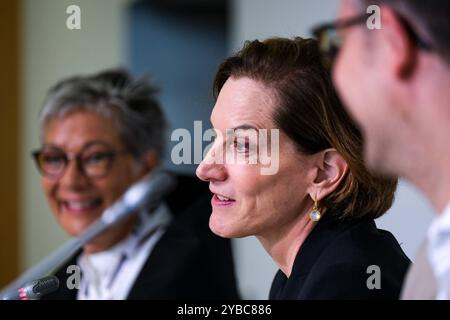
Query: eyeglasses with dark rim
[52, 162]
[330, 42]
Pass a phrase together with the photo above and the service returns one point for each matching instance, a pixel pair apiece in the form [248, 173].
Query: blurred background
[180, 43]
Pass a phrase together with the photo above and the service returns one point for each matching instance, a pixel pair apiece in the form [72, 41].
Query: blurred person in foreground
[395, 82]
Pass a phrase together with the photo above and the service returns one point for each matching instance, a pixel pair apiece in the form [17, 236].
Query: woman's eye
[97, 158]
[53, 159]
[241, 146]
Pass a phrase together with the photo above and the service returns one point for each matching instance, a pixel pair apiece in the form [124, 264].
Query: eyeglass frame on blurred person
[330, 42]
[80, 162]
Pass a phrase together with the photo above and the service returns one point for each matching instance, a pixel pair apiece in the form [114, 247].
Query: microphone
[34, 290]
[139, 195]
[147, 192]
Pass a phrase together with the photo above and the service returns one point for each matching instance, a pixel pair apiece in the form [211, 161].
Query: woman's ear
[400, 53]
[149, 162]
[331, 169]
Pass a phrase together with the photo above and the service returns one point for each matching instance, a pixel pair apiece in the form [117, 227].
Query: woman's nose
[210, 169]
[74, 178]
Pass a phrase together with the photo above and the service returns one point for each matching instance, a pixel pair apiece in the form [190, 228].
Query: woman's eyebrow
[245, 127]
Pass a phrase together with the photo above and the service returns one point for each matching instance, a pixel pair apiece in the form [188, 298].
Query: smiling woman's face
[244, 201]
[76, 199]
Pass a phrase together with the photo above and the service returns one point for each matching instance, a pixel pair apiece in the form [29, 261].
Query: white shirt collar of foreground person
[110, 275]
[439, 252]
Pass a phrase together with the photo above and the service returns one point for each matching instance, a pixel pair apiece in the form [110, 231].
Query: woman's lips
[221, 201]
[81, 206]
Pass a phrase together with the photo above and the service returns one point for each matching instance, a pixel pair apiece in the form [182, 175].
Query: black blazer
[188, 262]
[332, 263]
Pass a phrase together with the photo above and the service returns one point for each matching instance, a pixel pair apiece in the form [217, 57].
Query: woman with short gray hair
[100, 134]
[131, 103]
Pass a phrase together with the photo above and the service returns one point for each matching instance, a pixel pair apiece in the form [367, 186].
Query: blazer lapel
[164, 263]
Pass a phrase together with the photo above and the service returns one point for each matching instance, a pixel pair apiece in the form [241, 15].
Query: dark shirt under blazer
[333, 260]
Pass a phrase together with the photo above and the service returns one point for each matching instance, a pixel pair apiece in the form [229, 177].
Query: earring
[315, 214]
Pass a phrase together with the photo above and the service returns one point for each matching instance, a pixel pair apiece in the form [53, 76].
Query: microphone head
[147, 192]
[157, 184]
[34, 290]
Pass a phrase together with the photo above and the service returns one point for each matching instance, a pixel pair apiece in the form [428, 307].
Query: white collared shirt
[110, 274]
[439, 252]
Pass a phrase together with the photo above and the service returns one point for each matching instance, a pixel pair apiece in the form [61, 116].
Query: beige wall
[51, 52]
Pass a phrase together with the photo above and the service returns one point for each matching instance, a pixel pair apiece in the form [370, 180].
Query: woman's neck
[284, 245]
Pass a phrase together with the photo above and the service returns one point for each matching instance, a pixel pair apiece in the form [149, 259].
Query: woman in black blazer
[342, 260]
[287, 167]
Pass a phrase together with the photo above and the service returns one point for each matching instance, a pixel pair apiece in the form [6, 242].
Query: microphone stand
[148, 191]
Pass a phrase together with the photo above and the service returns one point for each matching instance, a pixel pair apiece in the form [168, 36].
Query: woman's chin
[223, 229]
[76, 227]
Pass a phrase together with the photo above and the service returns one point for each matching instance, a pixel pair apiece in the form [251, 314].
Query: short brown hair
[310, 113]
